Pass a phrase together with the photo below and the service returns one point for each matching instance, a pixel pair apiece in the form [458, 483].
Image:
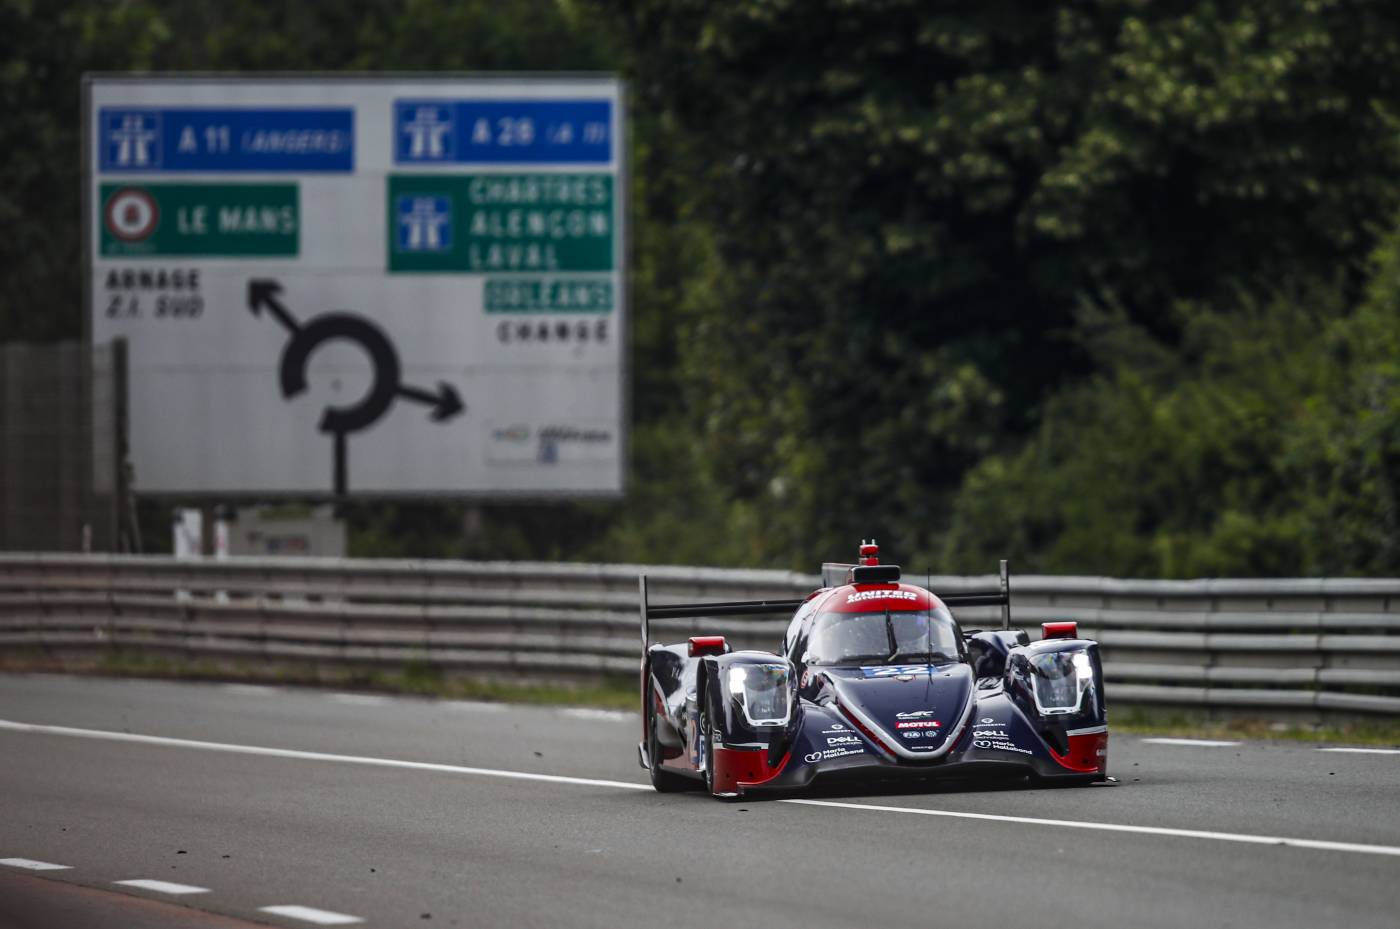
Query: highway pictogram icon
[303, 339]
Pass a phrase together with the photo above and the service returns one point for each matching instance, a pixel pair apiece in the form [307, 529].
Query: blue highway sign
[503, 131]
[302, 140]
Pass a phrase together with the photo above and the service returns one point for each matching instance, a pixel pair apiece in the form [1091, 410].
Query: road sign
[229, 220]
[362, 285]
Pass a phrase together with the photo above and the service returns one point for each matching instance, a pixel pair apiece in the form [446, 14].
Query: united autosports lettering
[881, 595]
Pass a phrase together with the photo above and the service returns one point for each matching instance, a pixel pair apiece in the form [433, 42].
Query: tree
[1269, 446]
[910, 203]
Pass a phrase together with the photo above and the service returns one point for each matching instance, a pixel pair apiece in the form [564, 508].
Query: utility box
[287, 530]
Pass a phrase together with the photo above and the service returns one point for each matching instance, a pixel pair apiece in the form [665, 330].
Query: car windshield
[883, 638]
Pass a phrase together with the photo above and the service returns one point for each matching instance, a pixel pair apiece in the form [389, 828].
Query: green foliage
[1269, 446]
[911, 204]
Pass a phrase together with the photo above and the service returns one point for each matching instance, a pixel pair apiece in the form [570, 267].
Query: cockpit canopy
[884, 637]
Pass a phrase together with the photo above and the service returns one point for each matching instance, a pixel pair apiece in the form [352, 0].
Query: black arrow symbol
[264, 294]
[446, 403]
[341, 421]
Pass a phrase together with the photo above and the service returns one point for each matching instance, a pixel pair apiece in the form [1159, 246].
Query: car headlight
[763, 693]
[1059, 681]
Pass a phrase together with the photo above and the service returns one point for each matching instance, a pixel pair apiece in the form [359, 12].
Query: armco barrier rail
[1326, 646]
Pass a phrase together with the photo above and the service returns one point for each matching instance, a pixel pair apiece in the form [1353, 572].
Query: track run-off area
[145, 803]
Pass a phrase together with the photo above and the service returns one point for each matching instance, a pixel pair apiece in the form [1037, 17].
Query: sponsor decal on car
[919, 724]
[842, 740]
[917, 714]
[990, 734]
[830, 753]
[881, 595]
[999, 746]
[898, 670]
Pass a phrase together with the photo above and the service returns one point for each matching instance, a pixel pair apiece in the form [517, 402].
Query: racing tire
[663, 781]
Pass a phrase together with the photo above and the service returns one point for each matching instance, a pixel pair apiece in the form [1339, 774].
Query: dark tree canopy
[912, 204]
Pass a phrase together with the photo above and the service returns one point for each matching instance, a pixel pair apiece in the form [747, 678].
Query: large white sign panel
[360, 285]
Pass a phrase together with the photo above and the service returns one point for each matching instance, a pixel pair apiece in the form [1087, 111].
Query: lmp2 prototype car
[875, 680]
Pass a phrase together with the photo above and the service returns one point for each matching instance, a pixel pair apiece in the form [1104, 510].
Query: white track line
[612, 716]
[102, 734]
[473, 706]
[312, 756]
[32, 865]
[311, 915]
[1364, 751]
[1114, 827]
[163, 887]
[358, 699]
[250, 690]
[1199, 743]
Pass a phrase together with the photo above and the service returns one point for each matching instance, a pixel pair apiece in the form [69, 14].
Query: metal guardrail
[1320, 645]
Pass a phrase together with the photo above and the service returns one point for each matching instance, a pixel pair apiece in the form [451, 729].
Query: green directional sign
[548, 295]
[506, 223]
[214, 220]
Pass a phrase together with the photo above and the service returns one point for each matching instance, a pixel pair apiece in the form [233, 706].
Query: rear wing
[692, 610]
[1000, 597]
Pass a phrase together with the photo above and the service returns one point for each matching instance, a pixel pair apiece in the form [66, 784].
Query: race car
[875, 680]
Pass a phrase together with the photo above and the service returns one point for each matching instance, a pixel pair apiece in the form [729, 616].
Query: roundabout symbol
[387, 386]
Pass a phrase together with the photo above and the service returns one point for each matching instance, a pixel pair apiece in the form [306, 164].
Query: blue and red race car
[875, 680]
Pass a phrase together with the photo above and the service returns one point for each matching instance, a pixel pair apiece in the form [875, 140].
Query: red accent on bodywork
[869, 554]
[706, 645]
[1087, 754]
[865, 730]
[1062, 630]
[736, 768]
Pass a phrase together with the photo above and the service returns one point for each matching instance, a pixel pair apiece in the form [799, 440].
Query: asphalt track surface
[409, 812]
